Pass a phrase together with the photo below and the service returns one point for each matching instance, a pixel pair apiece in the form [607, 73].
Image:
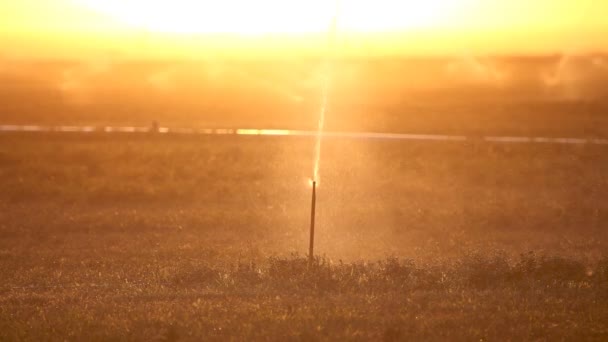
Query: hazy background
[472, 67]
[554, 95]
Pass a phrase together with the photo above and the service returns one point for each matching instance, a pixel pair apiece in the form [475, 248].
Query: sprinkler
[328, 70]
[313, 207]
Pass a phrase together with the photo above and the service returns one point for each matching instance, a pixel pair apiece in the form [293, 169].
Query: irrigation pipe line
[244, 132]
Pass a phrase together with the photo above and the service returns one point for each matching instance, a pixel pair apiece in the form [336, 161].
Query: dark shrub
[601, 272]
[548, 270]
[196, 276]
[483, 271]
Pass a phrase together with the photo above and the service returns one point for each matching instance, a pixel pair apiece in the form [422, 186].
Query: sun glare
[244, 17]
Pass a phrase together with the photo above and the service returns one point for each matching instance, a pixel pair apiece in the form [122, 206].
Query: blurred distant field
[546, 96]
[143, 237]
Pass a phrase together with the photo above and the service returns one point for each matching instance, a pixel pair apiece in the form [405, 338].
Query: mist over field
[461, 94]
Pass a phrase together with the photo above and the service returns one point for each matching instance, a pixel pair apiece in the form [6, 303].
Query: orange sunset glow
[303, 170]
[384, 26]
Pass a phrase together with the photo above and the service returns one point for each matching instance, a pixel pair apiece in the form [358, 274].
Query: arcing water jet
[327, 76]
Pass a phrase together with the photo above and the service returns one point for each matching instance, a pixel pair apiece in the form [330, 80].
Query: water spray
[327, 73]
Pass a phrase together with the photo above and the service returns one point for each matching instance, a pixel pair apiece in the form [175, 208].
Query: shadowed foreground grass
[477, 297]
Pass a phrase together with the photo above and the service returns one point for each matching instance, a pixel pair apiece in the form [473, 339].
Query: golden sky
[187, 27]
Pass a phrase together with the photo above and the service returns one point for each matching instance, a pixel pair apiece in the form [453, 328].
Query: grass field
[187, 238]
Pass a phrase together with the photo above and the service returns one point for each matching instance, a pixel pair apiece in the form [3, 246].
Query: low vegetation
[170, 239]
[479, 297]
